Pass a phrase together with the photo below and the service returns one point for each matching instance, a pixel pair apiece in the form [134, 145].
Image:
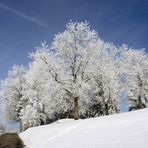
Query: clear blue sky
[24, 23]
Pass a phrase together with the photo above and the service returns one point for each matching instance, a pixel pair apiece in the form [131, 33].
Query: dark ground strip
[11, 140]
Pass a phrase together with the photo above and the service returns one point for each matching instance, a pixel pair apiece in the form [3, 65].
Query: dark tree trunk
[76, 108]
[140, 104]
[106, 109]
[21, 126]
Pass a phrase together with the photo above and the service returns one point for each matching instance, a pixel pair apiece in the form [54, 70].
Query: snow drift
[126, 130]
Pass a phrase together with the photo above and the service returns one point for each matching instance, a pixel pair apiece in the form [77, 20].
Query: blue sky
[24, 23]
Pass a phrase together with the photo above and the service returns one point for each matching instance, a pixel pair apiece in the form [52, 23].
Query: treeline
[77, 76]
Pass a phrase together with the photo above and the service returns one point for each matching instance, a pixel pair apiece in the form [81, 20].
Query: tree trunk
[21, 126]
[106, 109]
[75, 108]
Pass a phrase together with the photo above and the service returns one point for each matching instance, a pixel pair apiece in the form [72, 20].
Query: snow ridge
[126, 130]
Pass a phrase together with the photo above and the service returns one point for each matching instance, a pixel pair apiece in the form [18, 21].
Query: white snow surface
[125, 130]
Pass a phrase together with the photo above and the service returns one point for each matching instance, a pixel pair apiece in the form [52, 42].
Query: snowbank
[126, 130]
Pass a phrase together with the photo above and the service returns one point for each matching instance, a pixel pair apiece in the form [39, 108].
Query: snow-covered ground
[126, 130]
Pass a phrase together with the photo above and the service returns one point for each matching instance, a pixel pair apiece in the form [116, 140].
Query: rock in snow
[125, 130]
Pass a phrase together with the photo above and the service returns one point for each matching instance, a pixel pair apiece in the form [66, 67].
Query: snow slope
[126, 130]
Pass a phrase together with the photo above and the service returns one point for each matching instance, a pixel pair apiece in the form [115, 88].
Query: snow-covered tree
[75, 47]
[72, 62]
[33, 112]
[135, 70]
[12, 90]
[68, 61]
[43, 95]
[104, 86]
